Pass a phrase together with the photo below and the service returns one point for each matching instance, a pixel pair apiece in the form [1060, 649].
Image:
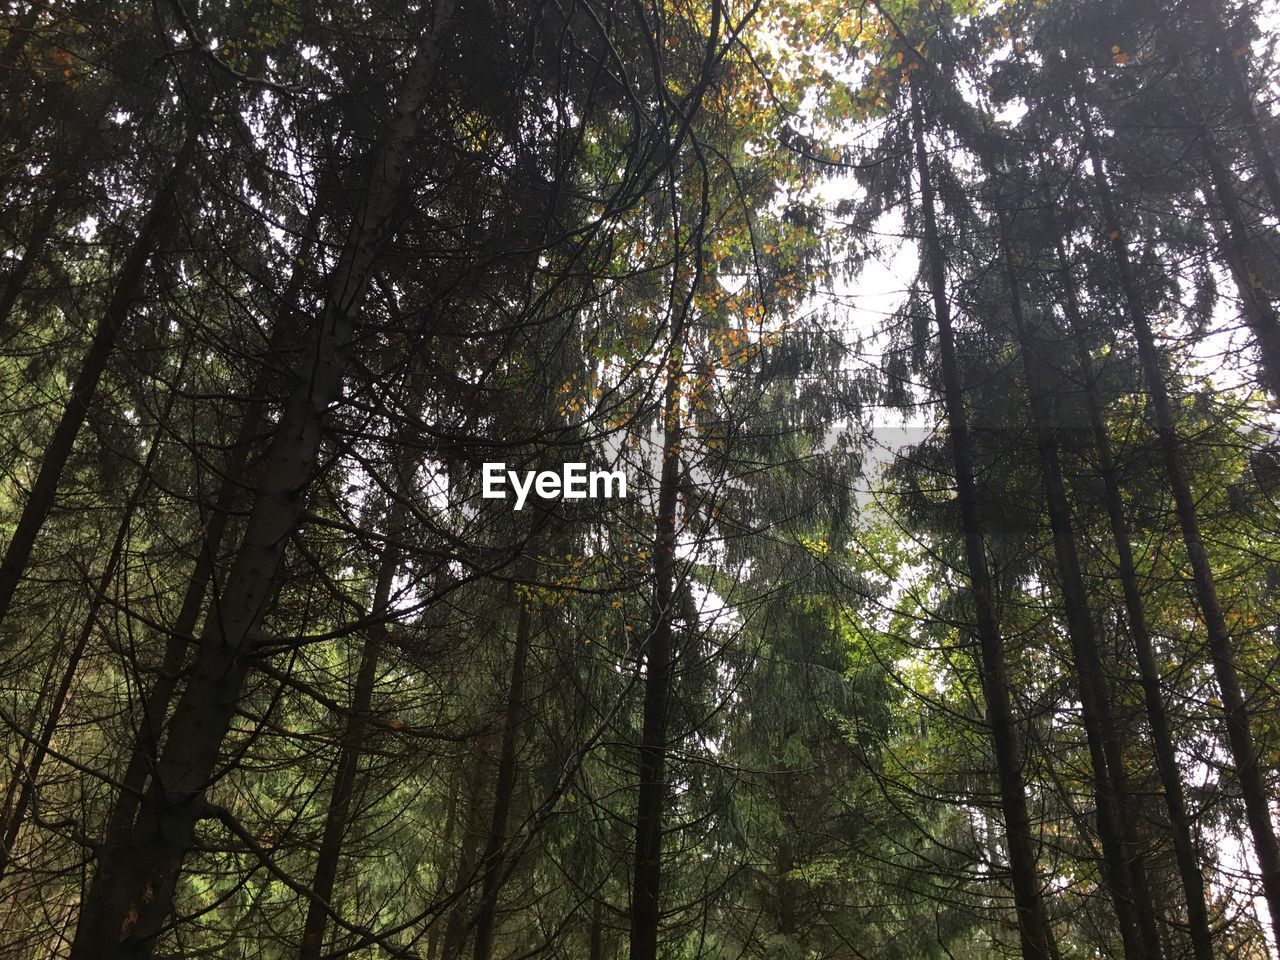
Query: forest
[592, 479]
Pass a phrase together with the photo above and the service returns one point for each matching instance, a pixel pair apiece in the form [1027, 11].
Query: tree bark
[1185, 853]
[647, 881]
[1131, 899]
[231, 491]
[1239, 738]
[785, 858]
[595, 933]
[344, 780]
[133, 890]
[455, 931]
[492, 861]
[1033, 930]
[450, 825]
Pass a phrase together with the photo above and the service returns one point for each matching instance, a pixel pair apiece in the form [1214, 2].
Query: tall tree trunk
[1239, 739]
[785, 858]
[491, 862]
[651, 799]
[646, 885]
[133, 889]
[231, 491]
[1185, 852]
[450, 825]
[58, 450]
[1032, 920]
[1126, 876]
[595, 933]
[455, 930]
[344, 780]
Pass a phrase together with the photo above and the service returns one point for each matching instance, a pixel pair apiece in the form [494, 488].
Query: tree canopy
[919, 594]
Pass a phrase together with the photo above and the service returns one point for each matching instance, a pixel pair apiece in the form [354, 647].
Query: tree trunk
[450, 825]
[785, 860]
[1032, 919]
[58, 450]
[595, 934]
[1130, 897]
[180, 639]
[492, 861]
[132, 893]
[344, 780]
[646, 886]
[1239, 739]
[1185, 852]
[455, 931]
